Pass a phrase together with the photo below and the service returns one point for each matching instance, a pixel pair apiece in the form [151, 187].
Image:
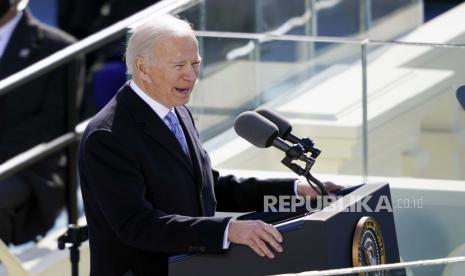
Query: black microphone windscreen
[256, 129]
[461, 95]
[283, 125]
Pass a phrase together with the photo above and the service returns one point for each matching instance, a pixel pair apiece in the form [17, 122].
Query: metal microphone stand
[75, 236]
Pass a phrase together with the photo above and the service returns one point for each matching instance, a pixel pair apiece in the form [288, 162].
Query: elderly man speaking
[148, 187]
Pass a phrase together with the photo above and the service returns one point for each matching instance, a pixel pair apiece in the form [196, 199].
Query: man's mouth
[183, 90]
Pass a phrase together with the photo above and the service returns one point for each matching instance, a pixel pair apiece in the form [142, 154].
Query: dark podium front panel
[317, 241]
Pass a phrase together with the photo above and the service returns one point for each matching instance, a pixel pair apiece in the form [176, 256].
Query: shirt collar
[7, 30]
[160, 109]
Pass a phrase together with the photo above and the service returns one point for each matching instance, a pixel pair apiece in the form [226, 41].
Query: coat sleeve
[112, 181]
[235, 194]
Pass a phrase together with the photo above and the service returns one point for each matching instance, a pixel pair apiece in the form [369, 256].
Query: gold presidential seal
[368, 245]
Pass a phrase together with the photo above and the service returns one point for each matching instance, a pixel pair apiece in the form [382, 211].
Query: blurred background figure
[85, 17]
[106, 69]
[31, 114]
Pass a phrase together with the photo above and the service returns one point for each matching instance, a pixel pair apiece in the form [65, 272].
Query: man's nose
[190, 74]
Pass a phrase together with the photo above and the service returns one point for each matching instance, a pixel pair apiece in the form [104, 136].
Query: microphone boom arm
[295, 152]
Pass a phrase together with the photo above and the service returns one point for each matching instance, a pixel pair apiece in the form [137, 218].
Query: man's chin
[183, 101]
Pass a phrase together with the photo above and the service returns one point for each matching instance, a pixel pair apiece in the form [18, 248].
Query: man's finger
[272, 241]
[274, 232]
[256, 248]
[330, 186]
[263, 247]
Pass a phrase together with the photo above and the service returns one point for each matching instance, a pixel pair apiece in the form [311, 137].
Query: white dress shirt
[7, 30]
[161, 111]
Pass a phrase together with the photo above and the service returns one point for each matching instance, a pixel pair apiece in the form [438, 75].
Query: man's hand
[304, 189]
[257, 235]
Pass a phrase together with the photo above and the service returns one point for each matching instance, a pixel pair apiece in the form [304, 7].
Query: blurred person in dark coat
[30, 114]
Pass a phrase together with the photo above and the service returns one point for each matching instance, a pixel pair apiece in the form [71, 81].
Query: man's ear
[141, 69]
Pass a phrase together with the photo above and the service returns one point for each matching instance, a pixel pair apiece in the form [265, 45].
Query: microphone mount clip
[296, 152]
[309, 146]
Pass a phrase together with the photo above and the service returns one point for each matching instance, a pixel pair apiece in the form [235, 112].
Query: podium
[317, 241]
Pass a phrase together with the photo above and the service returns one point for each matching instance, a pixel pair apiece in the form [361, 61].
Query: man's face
[174, 72]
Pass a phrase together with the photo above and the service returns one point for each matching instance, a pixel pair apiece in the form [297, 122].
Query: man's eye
[178, 66]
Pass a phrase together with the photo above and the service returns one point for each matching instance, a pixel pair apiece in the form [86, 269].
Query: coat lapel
[153, 125]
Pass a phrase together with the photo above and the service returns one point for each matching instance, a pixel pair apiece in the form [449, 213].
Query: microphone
[461, 95]
[285, 129]
[262, 133]
[283, 125]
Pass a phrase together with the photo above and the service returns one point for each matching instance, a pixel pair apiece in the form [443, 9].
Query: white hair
[144, 37]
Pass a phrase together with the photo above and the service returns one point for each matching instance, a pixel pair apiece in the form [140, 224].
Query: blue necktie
[175, 127]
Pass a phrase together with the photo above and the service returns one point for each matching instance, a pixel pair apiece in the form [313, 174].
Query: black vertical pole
[75, 80]
[74, 87]
[71, 190]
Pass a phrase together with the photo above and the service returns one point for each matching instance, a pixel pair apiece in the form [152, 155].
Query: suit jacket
[35, 113]
[144, 199]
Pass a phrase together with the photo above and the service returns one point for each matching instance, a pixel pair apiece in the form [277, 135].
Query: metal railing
[379, 268]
